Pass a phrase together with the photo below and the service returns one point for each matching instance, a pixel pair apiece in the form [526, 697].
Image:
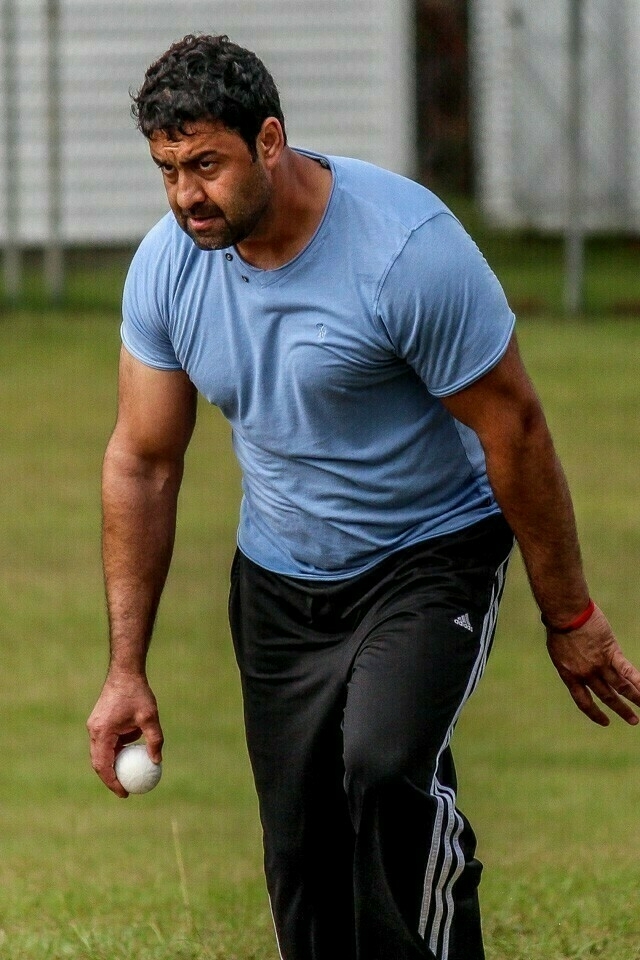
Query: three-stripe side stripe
[446, 858]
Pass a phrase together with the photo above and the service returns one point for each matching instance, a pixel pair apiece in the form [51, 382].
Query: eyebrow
[209, 154]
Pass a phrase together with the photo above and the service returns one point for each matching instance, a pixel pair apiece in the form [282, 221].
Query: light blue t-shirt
[331, 367]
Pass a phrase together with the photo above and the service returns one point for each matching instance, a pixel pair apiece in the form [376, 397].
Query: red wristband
[576, 623]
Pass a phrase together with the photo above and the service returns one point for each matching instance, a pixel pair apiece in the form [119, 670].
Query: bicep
[156, 410]
[500, 405]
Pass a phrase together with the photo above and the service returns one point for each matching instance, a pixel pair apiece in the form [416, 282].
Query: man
[391, 445]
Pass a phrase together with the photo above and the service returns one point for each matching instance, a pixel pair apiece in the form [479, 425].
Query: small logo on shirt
[322, 331]
[463, 621]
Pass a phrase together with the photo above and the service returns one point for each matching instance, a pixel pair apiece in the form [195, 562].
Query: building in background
[521, 80]
[469, 96]
[71, 161]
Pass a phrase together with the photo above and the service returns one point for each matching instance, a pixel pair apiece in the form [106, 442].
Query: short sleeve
[146, 302]
[443, 307]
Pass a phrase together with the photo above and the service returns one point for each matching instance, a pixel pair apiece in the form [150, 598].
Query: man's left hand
[590, 661]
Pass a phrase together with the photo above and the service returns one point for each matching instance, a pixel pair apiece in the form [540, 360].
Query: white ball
[135, 770]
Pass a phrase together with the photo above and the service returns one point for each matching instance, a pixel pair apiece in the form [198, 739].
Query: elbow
[520, 432]
[531, 420]
[156, 470]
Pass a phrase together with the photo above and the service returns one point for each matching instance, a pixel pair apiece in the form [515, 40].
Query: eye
[165, 168]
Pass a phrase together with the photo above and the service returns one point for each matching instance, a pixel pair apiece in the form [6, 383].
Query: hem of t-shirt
[137, 355]
[477, 374]
[319, 576]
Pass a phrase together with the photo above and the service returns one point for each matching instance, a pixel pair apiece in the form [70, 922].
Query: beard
[222, 232]
[219, 228]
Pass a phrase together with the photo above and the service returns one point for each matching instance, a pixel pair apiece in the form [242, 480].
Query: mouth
[200, 223]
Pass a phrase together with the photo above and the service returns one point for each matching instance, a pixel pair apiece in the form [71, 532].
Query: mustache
[202, 212]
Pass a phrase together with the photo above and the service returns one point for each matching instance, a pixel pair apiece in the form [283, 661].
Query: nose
[189, 191]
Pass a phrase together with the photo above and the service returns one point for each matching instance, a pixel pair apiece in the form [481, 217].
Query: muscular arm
[141, 480]
[528, 482]
[531, 489]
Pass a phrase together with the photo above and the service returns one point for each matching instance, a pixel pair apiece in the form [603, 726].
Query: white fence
[523, 76]
[73, 169]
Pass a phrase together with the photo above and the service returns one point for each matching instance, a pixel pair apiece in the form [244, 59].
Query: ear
[270, 142]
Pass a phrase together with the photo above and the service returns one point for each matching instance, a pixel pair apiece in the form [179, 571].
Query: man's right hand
[126, 710]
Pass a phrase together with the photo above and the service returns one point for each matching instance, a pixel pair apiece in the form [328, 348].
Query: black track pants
[351, 693]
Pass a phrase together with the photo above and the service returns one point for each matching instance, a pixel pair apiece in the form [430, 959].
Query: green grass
[176, 875]
[531, 267]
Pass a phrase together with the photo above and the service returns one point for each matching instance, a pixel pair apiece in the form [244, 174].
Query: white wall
[344, 69]
[520, 71]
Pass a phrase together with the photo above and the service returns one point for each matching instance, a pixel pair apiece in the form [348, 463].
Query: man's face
[216, 190]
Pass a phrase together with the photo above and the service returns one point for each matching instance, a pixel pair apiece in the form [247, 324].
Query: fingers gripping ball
[135, 770]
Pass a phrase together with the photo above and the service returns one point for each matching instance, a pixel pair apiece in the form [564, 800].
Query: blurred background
[524, 117]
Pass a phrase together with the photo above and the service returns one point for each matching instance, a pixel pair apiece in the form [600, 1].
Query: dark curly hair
[207, 78]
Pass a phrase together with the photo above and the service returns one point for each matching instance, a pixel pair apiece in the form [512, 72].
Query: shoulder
[400, 222]
[393, 197]
[382, 193]
[162, 259]
[166, 262]
[440, 263]
[163, 243]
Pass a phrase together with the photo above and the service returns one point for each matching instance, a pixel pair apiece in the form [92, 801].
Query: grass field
[176, 875]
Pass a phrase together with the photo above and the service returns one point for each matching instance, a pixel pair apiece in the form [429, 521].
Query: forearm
[530, 486]
[139, 498]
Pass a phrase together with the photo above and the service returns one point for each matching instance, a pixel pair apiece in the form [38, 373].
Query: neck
[301, 190]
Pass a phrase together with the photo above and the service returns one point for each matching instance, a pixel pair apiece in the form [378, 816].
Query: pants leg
[416, 875]
[351, 695]
[293, 678]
